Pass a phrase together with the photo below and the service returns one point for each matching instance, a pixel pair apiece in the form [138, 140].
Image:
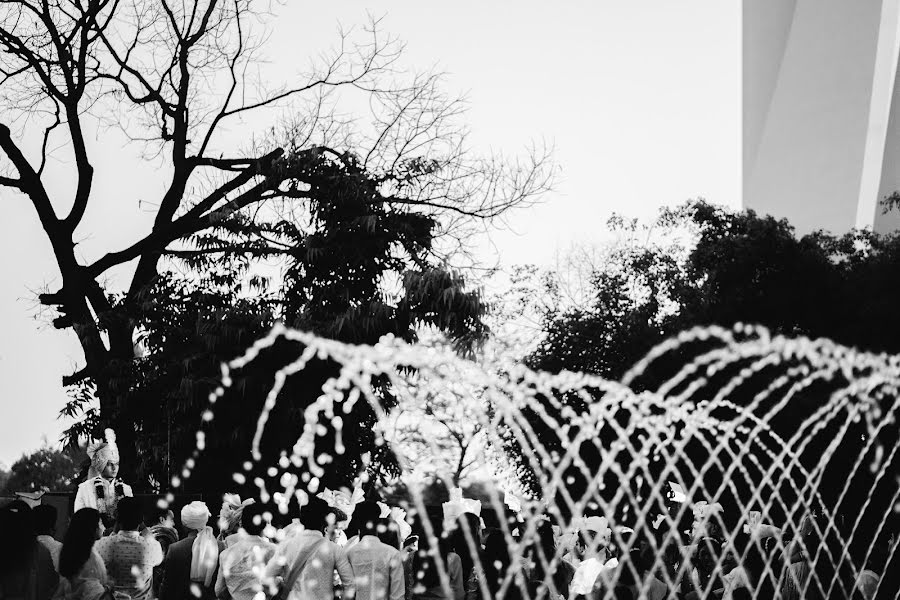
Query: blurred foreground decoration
[807, 467]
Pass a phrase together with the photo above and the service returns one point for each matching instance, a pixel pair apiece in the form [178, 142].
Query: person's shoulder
[180, 546]
[226, 553]
[104, 543]
[393, 554]
[387, 549]
[185, 542]
[106, 540]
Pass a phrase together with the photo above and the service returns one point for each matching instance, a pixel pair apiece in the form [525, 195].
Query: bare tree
[172, 75]
[442, 434]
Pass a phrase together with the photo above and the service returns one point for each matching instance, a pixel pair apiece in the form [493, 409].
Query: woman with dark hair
[705, 576]
[26, 567]
[427, 581]
[496, 563]
[388, 532]
[542, 552]
[468, 528]
[82, 569]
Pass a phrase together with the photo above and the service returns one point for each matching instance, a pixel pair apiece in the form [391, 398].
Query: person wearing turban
[229, 520]
[102, 489]
[190, 566]
[587, 541]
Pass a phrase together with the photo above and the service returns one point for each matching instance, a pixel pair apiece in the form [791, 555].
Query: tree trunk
[103, 365]
[113, 398]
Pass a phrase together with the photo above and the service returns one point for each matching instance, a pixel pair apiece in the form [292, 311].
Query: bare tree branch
[172, 75]
[28, 181]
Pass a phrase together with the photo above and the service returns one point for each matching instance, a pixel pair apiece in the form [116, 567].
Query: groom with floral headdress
[102, 490]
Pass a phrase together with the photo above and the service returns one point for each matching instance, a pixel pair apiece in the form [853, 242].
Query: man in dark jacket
[176, 576]
[163, 530]
[177, 583]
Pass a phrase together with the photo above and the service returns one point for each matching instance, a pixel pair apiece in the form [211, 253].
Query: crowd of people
[761, 561]
[338, 545]
[140, 562]
[325, 553]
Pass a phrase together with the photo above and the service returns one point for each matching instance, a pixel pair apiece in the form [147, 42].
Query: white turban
[343, 500]
[205, 549]
[458, 506]
[703, 512]
[232, 509]
[398, 516]
[195, 515]
[102, 453]
[757, 529]
[599, 525]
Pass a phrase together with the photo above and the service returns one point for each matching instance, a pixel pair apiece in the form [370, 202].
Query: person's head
[496, 548]
[44, 519]
[388, 532]
[252, 520]
[128, 514]
[586, 544]
[411, 544]
[365, 519]
[21, 508]
[104, 457]
[24, 516]
[16, 523]
[233, 507]
[78, 541]
[466, 541]
[162, 516]
[635, 569]
[542, 549]
[110, 470]
[708, 552]
[496, 559]
[194, 516]
[714, 528]
[314, 514]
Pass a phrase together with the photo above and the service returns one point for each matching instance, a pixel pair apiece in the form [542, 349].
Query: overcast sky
[641, 99]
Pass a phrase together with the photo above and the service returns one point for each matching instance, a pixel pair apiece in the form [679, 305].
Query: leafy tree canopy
[702, 265]
[45, 469]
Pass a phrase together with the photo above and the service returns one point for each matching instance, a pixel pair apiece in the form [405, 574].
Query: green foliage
[47, 469]
[335, 281]
[703, 265]
[740, 268]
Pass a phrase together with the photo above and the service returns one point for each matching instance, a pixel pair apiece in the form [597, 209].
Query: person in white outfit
[377, 567]
[304, 564]
[102, 489]
[243, 561]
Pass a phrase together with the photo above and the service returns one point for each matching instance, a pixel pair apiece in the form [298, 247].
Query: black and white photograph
[479, 300]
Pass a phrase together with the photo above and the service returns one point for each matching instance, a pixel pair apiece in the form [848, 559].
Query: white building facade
[821, 111]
